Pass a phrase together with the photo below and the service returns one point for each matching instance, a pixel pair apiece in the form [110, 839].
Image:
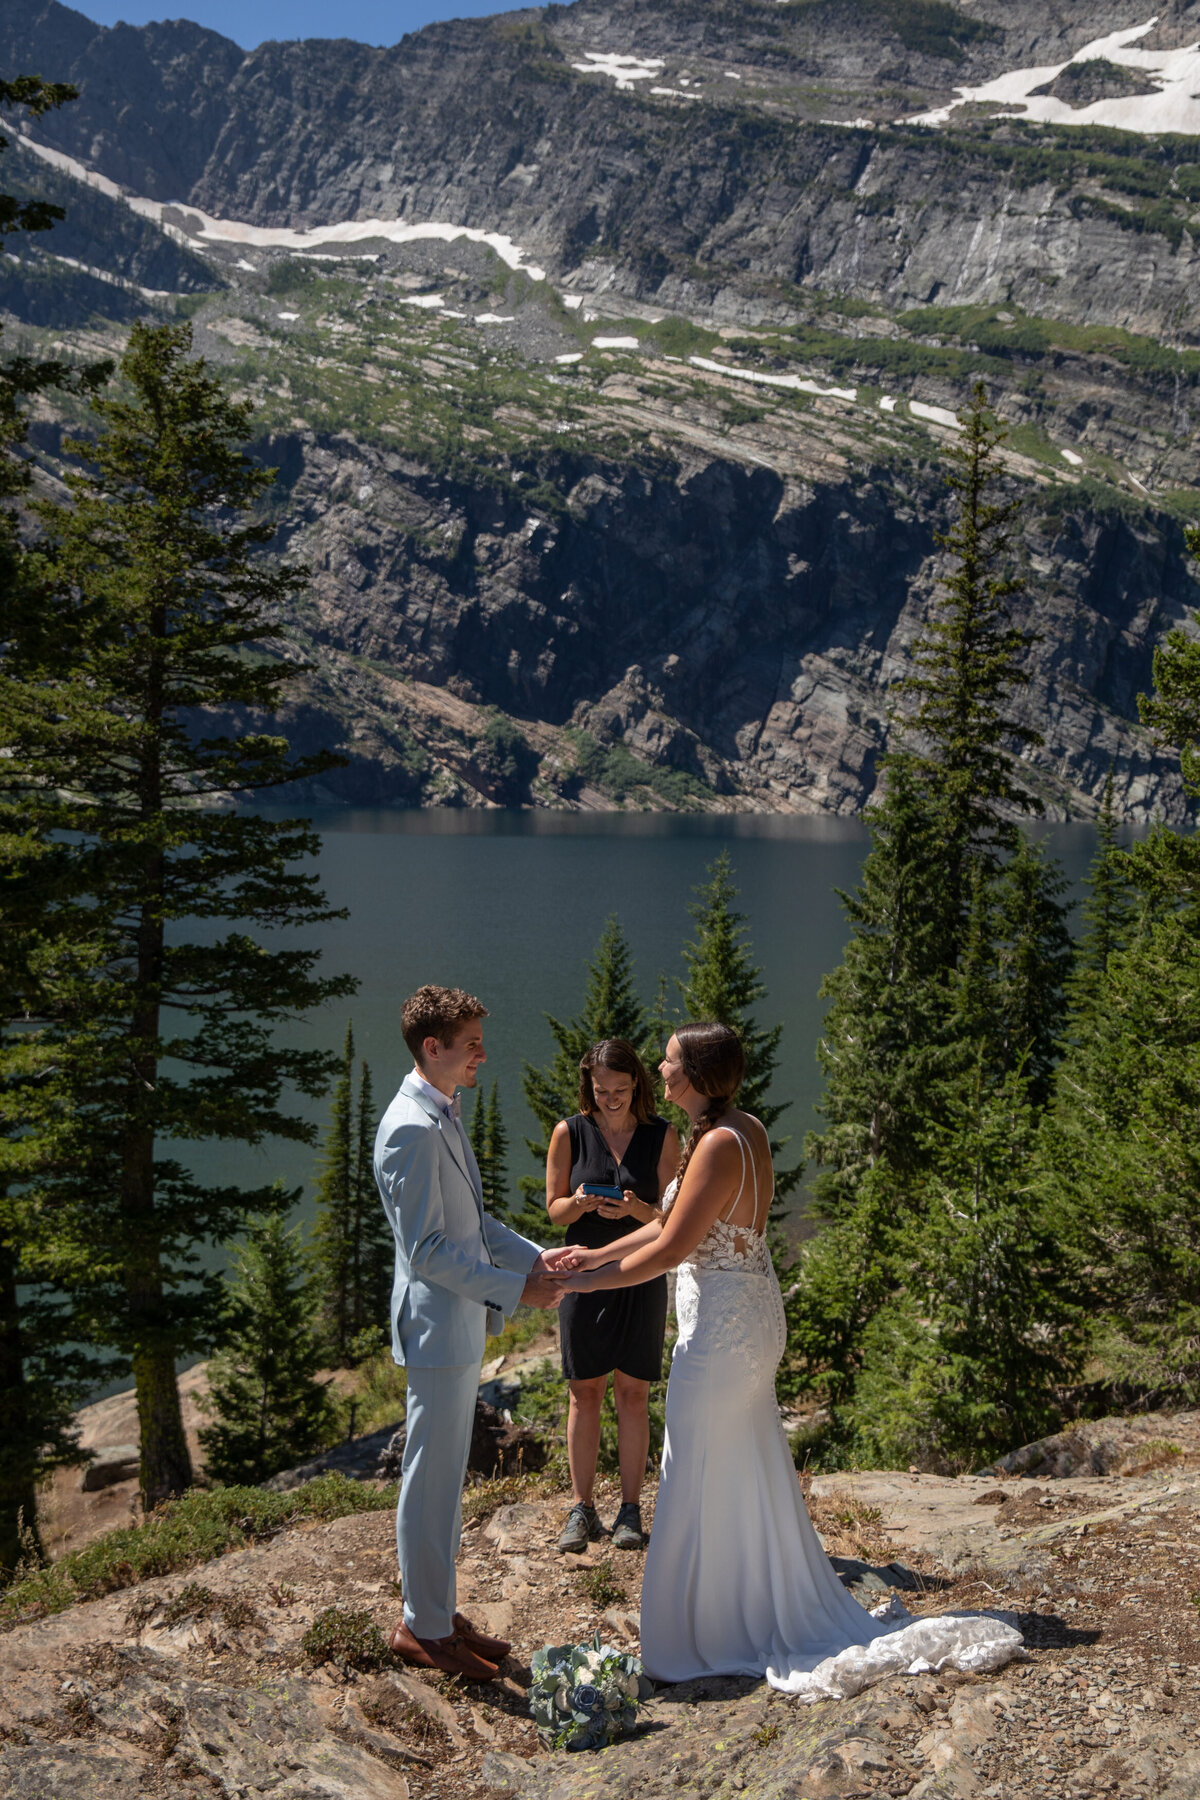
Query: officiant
[607, 1169]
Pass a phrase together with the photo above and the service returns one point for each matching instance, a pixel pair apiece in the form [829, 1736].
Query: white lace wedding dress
[736, 1581]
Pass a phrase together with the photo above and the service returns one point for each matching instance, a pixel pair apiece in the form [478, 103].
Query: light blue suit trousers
[441, 1412]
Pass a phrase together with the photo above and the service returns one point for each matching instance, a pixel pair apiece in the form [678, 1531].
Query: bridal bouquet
[585, 1695]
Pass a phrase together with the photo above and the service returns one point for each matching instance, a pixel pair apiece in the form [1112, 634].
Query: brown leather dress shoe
[494, 1649]
[451, 1654]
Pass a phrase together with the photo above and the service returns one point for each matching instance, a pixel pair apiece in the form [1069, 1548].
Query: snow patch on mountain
[189, 225]
[1174, 106]
[796, 383]
[624, 70]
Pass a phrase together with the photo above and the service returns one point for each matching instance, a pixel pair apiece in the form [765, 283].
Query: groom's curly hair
[437, 1012]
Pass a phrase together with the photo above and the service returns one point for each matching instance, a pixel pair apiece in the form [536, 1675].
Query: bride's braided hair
[712, 1058]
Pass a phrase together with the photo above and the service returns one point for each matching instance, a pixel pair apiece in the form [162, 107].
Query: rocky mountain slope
[610, 354]
[204, 1681]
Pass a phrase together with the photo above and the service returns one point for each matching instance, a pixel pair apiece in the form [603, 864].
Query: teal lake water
[510, 905]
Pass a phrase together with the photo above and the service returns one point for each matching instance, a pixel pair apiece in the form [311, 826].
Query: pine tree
[42, 1367]
[963, 1357]
[151, 590]
[269, 1412]
[887, 1045]
[723, 985]
[1119, 1153]
[966, 664]
[489, 1141]
[944, 1024]
[351, 1254]
[611, 1009]
[1110, 909]
[374, 1249]
[478, 1135]
[331, 1252]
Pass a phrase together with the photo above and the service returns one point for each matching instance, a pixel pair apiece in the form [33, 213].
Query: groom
[459, 1274]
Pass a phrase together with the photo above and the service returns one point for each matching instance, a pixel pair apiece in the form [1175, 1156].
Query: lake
[510, 906]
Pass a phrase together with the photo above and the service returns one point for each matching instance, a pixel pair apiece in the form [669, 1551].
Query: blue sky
[251, 22]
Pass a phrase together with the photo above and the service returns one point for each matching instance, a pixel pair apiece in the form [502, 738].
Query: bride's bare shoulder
[746, 1122]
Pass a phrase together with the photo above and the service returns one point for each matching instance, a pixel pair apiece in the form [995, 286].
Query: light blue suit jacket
[459, 1272]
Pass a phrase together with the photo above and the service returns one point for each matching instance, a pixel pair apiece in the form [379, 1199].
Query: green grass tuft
[601, 1585]
[349, 1638]
[193, 1529]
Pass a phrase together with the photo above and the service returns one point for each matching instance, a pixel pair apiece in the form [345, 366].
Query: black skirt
[623, 1328]
[617, 1328]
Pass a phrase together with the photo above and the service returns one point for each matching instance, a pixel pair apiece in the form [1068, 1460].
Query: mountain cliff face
[618, 449]
[737, 625]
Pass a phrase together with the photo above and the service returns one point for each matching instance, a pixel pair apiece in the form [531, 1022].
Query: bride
[736, 1581]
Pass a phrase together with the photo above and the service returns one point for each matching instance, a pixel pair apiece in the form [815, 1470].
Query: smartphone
[603, 1193]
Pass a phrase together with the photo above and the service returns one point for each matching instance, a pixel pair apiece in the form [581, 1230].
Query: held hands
[541, 1288]
[569, 1258]
[574, 1270]
[581, 1281]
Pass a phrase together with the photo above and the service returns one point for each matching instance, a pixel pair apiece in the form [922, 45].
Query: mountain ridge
[741, 292]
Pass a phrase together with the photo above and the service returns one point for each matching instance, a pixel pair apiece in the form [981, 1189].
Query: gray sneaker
[583, 1524]
[627, 1533]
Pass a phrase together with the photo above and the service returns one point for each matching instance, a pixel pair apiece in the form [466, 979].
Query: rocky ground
[197, 1683]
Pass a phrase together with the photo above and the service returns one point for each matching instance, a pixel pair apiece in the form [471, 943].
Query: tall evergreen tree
[943, 1027]
[489, 1141]
[887, 1043]
[269, 1412]
[331, 1252]
[42, 1367]
[966, 665]
[1120, 1155]
[963, 1353]
[152, 594]
[1110, 908]
[723, 984]
[1021, 923]
[372, 1262]
[611, 1009]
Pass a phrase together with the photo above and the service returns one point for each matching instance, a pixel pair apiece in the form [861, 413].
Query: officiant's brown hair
[622, 1059]
[437, 1012]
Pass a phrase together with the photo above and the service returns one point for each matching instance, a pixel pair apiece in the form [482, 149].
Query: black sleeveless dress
[620, 1328]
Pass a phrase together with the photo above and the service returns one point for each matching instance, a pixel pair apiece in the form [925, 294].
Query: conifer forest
[1003, 1227]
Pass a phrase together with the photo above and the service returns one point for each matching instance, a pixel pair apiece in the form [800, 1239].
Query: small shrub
[486, 1497]
[190, 1602]
[80, 1719]
[349, 1638]
[849, 1527]
[1155, 1453]
[600, 1585]
[766, 1734]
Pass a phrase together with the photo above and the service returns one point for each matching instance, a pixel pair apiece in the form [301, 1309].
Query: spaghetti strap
[744, 1150]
